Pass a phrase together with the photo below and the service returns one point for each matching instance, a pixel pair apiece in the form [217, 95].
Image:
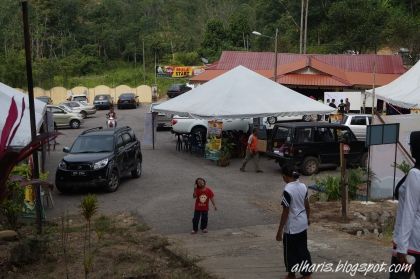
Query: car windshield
[93, 144]
[175, 87]
[67, 109]
[283, 134]
[101, 97]
[79, 98]
[344, 120]
[126, 96]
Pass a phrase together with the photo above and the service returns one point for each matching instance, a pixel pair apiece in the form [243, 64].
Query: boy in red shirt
[202, 195]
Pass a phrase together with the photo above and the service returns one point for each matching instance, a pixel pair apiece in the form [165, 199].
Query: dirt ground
[328, 214]
[121, 248]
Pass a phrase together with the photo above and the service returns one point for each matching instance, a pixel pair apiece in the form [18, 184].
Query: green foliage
[75, 38]
[355, 178]
[89, 207]
[330, 185]
[187, 58]
[11, 207]
[403, 166]
[227, 148]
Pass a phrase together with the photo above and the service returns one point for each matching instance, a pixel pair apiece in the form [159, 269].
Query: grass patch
[123, 248]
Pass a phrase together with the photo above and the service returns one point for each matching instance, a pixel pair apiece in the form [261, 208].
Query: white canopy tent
[241, 93]
[403, 91]
[23, 133]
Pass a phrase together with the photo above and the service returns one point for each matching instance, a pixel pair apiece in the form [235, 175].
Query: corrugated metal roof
[385, 64]
[211, 74]
[311, 80]
[366, 79]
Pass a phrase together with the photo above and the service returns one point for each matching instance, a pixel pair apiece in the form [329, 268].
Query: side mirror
[66, 149]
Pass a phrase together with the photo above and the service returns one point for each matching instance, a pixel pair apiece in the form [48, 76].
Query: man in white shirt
[407, 223]
[294, 224]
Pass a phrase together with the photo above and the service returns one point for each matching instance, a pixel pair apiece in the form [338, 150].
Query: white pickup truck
[187, 125]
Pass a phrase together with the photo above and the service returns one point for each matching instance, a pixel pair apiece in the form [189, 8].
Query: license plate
[77, 173]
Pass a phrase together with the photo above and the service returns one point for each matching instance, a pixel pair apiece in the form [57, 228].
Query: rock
[384, 218]
[374, 216]
[386, 214]
[366, 232]
[359, 233]
[360, 216]
[8, 235]
[380, 236]
[376, 232]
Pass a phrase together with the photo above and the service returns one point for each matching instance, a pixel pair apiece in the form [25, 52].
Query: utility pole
[373, 89]
[301, 27]
[144, 66]
[35, 173]
[155, 70]
[306, 26]
[275, 54]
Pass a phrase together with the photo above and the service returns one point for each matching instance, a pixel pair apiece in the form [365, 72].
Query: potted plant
[225, 152]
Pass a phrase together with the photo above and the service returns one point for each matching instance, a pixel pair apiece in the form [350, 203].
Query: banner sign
[214, 140]
[179, 71]
[148, 129]
[382, 134]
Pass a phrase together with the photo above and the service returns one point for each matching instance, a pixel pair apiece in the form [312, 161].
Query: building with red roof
[312, 74]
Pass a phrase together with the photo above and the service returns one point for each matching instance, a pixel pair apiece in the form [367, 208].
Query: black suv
[177, 89]
[311, 145]
[99, 157]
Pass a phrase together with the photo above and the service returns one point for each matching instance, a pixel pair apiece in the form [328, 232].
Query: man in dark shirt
[341, 106]
[332, 104]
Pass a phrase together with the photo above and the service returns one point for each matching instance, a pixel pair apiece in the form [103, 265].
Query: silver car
[65, 118]
[81, 107]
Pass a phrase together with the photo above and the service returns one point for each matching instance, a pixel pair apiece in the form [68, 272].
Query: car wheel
[364, 160]
[136, 173]
[113, 181]
[75, 124]
[310, 165]
[200, 130]
[84, 114]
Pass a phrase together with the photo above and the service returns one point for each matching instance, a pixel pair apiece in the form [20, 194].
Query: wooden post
[344, 185]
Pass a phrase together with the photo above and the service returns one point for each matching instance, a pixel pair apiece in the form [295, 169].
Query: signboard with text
[214, 140]
[179, 71]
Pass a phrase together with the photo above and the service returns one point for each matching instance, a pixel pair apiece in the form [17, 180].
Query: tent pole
[35, 173]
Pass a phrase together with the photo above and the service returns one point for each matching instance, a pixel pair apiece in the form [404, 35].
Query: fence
[60, 94]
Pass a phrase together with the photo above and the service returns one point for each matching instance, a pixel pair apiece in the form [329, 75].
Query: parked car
[45, 99]
[103, 101]
[357, 123]
[128, 100]
[65, 118]
[81, 107]
[162, 120]
[177, 89]
[310, 145]
[187, 125]
[78, 98]
[99, 158]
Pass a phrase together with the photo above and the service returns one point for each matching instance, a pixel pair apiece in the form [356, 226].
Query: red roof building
[312, 73]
